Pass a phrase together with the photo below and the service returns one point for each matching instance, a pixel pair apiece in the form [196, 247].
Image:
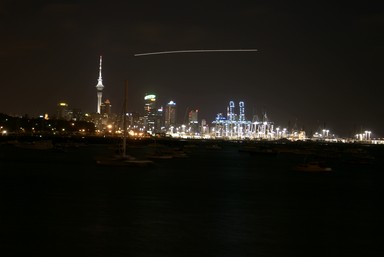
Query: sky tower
[99, 88]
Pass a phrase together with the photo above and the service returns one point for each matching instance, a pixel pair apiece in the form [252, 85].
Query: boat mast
[125, 119]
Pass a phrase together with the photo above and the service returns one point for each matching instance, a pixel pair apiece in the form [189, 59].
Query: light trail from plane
[197, 51]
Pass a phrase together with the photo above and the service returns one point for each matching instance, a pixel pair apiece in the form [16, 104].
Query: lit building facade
[170, 115]
[159, 120]
[62, 111]
[193, 121]
[105, 108]
[150, 113]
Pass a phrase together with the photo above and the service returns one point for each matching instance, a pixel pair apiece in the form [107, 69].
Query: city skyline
[316, 64]
[239, 112]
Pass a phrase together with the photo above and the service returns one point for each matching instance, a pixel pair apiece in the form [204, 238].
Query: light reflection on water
[212, 203]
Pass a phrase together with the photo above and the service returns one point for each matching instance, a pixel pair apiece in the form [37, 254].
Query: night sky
[318, 64]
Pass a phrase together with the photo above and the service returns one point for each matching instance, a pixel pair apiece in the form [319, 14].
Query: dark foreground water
[212, 203]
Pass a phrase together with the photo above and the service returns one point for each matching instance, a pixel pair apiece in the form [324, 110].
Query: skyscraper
[105, 108]
[62, 111]
[149, 112]
[193, 121]
[99, 88]
[170, 114]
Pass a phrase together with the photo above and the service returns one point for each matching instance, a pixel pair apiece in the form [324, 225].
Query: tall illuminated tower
[170, 114]
[99, 88]
[149, 112]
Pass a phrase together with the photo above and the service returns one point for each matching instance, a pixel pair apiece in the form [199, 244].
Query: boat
[313, 166]
[159, 153]
[259, 150]
[35, 145]
[160, 156]
[178, 153]
[123, 159]
[213, 147]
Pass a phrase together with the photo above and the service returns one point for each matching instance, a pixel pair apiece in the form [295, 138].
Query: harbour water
[213, 202]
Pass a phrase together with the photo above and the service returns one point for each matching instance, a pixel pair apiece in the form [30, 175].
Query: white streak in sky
[198, 51]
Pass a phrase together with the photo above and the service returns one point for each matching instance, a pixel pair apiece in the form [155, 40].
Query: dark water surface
[215, 202]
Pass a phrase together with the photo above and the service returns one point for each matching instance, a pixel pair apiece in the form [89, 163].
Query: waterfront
[214, 202]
